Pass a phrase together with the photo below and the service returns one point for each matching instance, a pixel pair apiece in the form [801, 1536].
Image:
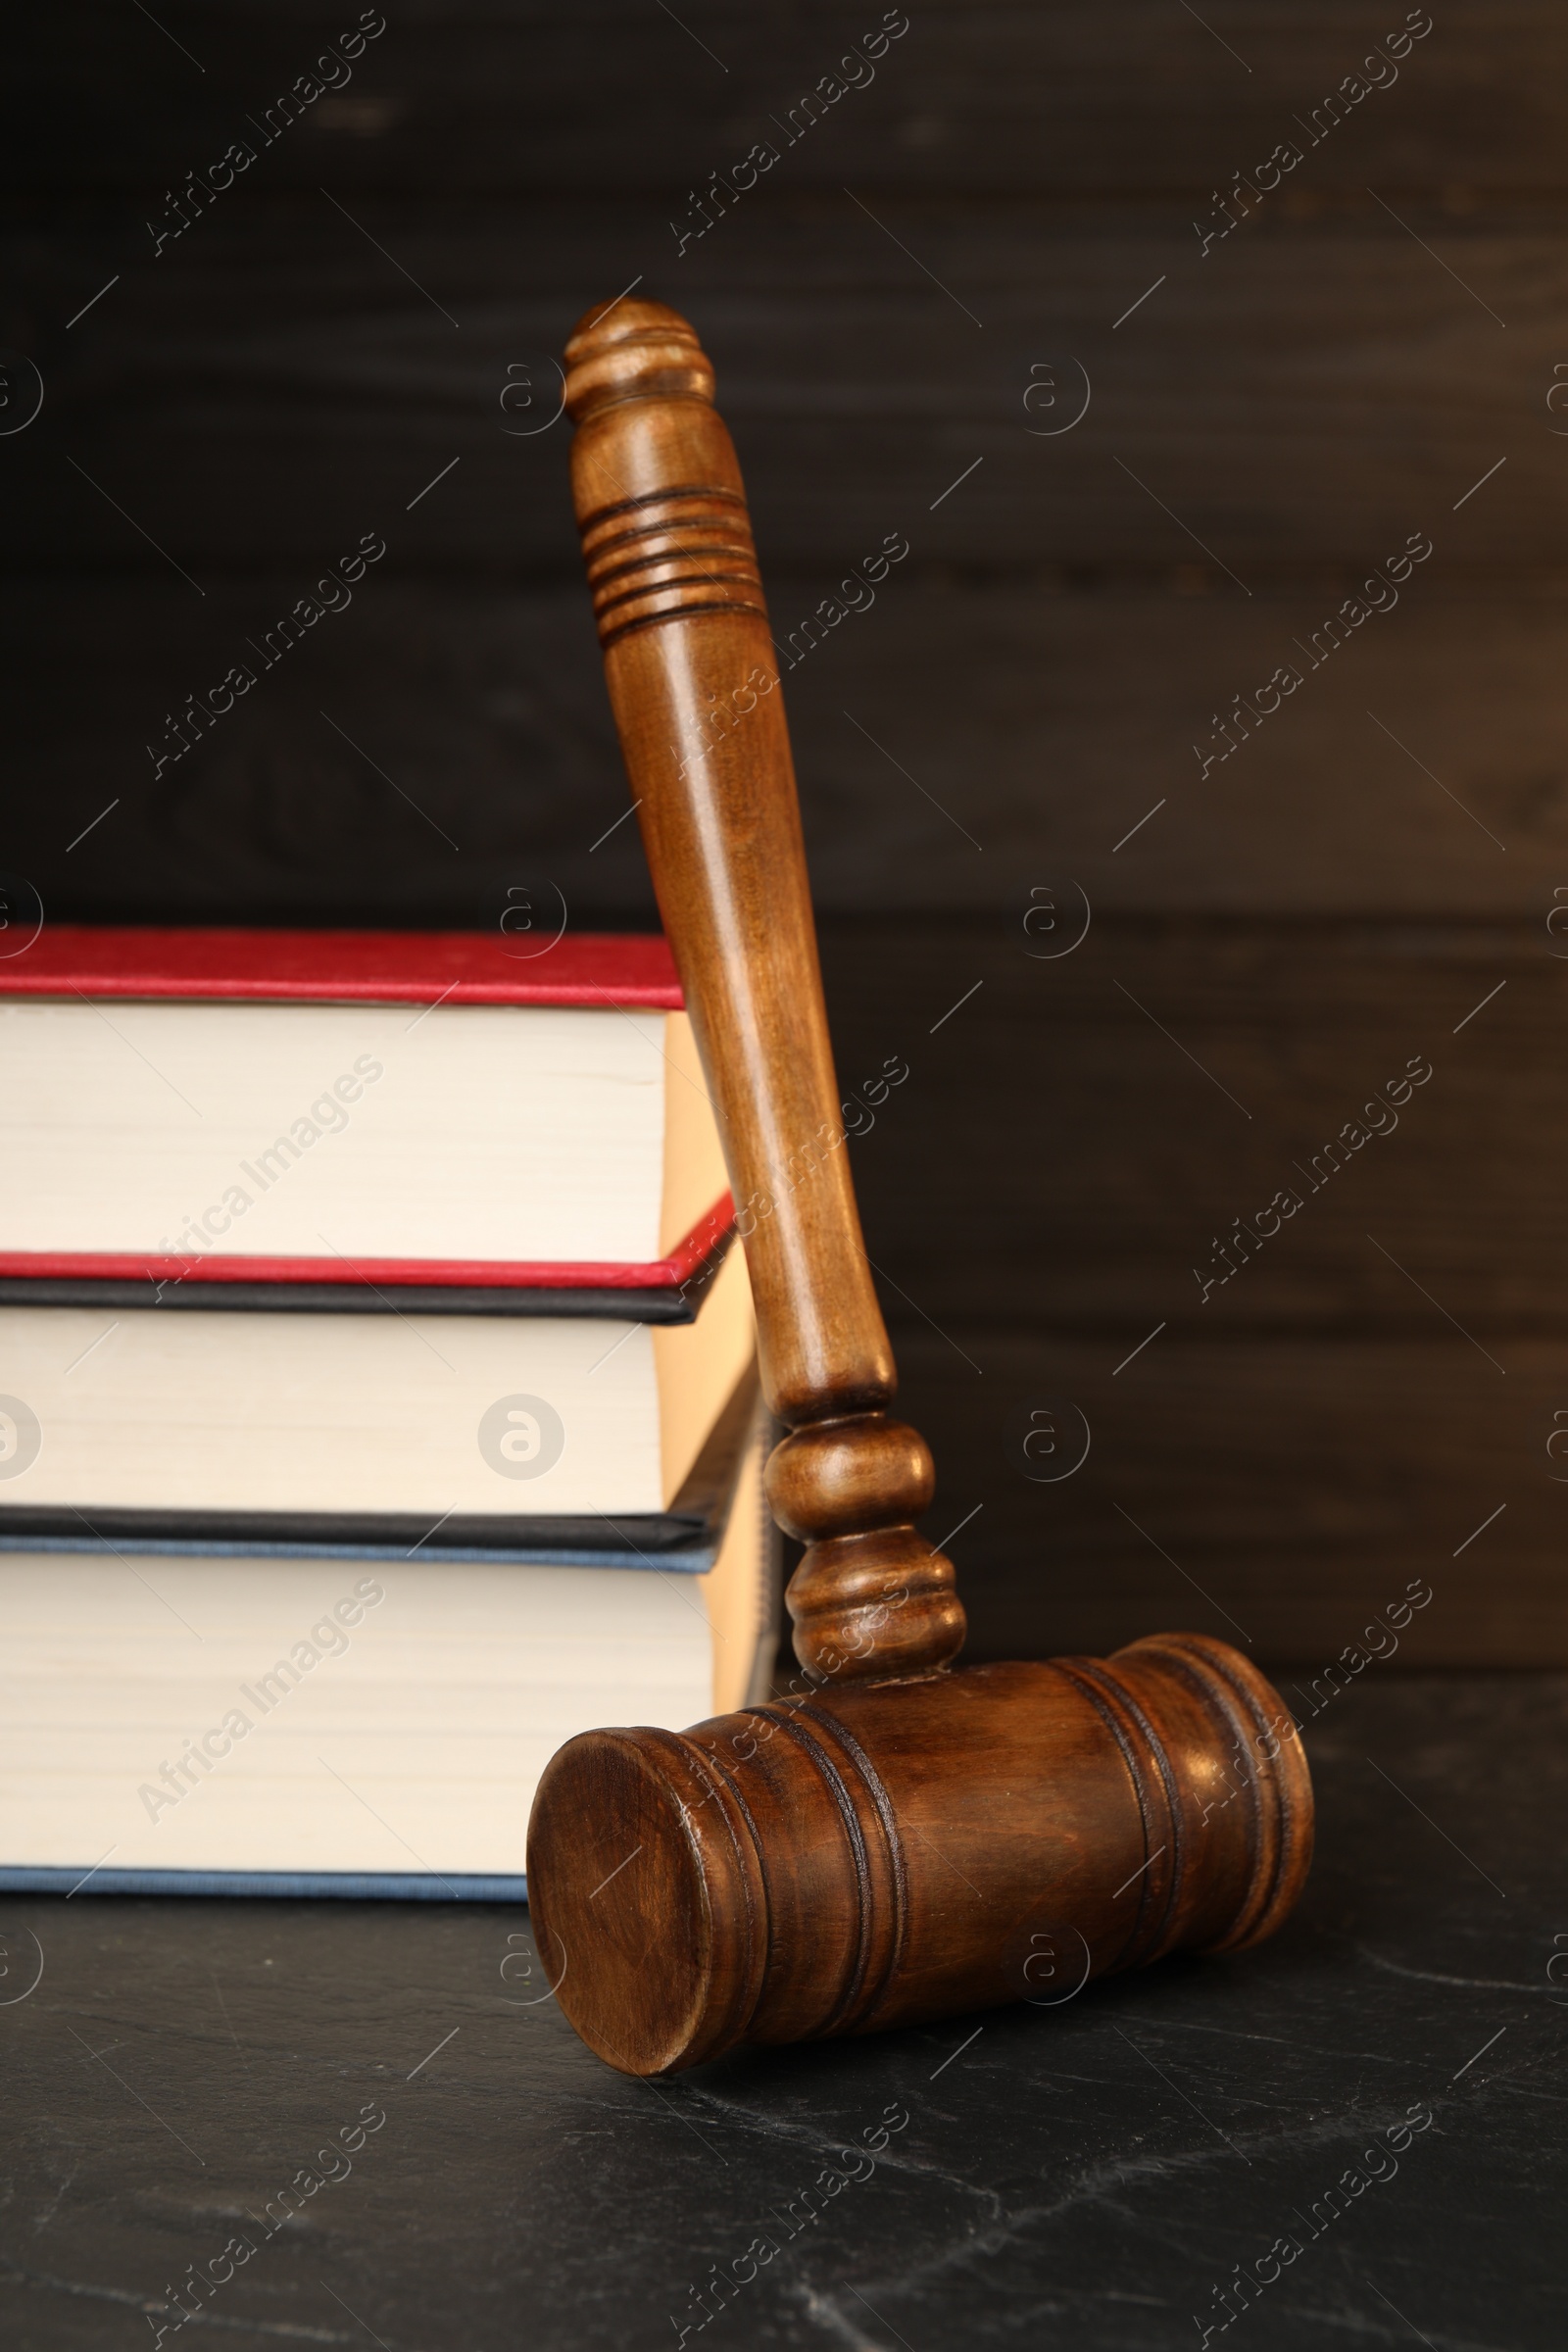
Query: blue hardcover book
[251, 1724]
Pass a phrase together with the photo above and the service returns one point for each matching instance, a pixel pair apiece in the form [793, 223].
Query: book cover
[367, 1122]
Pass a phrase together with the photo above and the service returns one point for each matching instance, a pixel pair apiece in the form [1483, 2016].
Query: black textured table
[1369, 2117]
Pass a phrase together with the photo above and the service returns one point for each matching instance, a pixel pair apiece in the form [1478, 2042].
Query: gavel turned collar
[899, 1839]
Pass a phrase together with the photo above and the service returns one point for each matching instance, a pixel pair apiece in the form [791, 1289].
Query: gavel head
[896, 1851]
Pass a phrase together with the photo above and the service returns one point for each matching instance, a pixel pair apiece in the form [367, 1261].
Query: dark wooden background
[1274, 419]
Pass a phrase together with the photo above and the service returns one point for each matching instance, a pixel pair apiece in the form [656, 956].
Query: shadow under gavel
[903, 1839]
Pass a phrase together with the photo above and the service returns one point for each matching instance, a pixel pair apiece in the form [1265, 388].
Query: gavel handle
[695, 685]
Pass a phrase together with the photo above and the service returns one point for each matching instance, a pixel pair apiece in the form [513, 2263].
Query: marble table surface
[1363, 2121]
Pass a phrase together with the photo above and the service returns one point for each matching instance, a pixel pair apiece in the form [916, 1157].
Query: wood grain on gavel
[902, 1841]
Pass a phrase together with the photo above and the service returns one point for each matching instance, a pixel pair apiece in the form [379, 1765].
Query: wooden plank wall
[1018, 211]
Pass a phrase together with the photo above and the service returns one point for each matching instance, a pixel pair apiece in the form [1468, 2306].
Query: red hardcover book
[448, 1121]
[593, 968]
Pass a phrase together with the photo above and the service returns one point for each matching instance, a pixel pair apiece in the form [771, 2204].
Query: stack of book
[377, 1401]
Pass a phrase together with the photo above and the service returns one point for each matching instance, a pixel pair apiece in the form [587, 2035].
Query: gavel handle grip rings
[906, 1840]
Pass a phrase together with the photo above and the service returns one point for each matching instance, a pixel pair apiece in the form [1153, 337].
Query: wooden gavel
[898, 1840]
